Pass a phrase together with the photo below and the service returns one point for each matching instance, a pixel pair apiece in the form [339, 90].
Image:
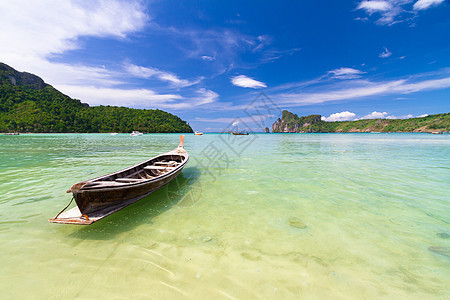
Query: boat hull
[99, 200]
[99, 197]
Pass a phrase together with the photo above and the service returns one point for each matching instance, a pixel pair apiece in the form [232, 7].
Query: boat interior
[153, 168]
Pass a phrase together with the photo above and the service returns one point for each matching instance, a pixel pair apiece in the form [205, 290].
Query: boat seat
[97, 183]
[129, 179]
[165, 163]
[158, 168]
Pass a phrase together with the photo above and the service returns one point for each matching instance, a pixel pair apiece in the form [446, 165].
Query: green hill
[290, 122]
[28, 104]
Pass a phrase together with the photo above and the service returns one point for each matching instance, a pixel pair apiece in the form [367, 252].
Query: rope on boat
[64, 208]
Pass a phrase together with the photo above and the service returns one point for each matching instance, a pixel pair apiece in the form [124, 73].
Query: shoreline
[260, 132]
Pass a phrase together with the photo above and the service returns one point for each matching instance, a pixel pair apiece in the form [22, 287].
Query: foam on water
[337, 216]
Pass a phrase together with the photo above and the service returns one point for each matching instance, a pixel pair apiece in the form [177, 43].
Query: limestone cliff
[21, 78]
[290, 122]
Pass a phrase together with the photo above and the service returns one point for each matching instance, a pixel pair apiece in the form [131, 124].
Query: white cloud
[349, 116]
[368, 89]
[120, 97]
[201, 98]
[390, 12]
[262, 41]
[408, 116]
[342, 116]
[206, 96]
[385, 115]
[374, 6]
[142, 98]
[345, 73]
[386, 53]
[425, 4]
[142, 72]
[423, 116]
[272, 55]
[375, 115]
[207, 58]
[247, 82]
[33, 31]
[387, 9]
[145, 72]
[65, 74]
[358, 89]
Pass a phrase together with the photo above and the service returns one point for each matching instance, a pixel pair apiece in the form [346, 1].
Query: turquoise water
[266, 216]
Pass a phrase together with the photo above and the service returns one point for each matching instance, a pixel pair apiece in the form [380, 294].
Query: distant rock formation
[290, 122]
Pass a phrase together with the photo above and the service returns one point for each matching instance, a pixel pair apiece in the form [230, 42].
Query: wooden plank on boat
[158, 168]
[130, 179]
[165, 163]
[97, 183]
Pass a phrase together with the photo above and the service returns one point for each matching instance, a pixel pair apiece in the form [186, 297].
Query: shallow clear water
[342, 216]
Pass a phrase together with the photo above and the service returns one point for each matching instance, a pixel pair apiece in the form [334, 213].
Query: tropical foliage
[27, 104]
[292, 123]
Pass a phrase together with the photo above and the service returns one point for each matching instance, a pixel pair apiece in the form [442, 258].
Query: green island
[29, 105]
[291, 122]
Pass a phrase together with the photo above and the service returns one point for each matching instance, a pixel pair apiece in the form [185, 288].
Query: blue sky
[207, 61]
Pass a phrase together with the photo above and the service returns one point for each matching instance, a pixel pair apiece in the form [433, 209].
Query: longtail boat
[99, 197]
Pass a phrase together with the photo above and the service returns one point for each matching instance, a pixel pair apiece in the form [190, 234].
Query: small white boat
[114, 133]
[198, 133]
[136, 133]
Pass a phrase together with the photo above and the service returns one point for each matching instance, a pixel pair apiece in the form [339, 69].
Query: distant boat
[136, 133]
[114, 133]
[437, 132]
[236, 131]
[11, 133]
[198, 133]
[99, 197]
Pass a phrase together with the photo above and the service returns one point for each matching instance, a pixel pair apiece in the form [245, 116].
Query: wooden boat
[198, 133]
[239, 133]
[99, 197]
